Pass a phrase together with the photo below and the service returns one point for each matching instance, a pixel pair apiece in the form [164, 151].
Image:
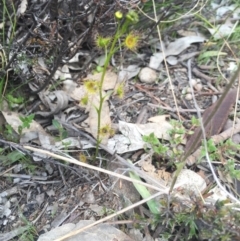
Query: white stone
[198, 87]
[193, 82]
[188, 90]
[190, 181]
[188, 96]
[148, 75]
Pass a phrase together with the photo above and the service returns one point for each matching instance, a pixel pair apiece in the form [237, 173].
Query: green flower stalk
[104, 43]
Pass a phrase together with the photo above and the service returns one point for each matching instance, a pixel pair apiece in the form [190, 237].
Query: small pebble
[17, 168]
[188, 90]
[188, 96]
[198, 87]
[148, 75]
[13, 200]
[16, 180]
[193, 82]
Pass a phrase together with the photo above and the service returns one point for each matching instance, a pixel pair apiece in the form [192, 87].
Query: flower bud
[118, 15]
[132, 16]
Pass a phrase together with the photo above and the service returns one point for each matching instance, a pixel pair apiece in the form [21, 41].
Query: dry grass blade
[74, 161]
[215, 125]
[226, 95]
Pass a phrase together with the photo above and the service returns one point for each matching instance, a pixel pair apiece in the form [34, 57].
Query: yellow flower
[91, 86]
[106, 130]
[131, 41]
[82, 158]
[102, 42]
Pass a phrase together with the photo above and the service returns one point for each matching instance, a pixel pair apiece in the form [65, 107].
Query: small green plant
[195, 121]
[190, 223]
[212, 150]
[14, 100]
[155, 144]
[30, 232]
[195, 220]
[229, 147]
[9, 130]
[62, 132]
[110, 47]
[171, 150]
[177, 133]
[230, 168]
[7, 10]
[26, 121]
[228, 151]
[9, 133]
[220, 45]
[8, 14]
[9, 158]
[224, 152]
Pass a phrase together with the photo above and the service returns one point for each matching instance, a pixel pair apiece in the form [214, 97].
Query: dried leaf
[159, 118]
[77, 62]
[173, 49]
[22, 7]
[110, 79]
[34, 132]
[131, 140]
[128, 73]
[55, 101]
[146, 165]
[122, 144]
[78, 93]
[222, 31]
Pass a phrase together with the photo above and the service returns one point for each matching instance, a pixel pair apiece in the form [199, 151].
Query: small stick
[174, 109]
